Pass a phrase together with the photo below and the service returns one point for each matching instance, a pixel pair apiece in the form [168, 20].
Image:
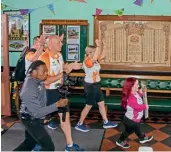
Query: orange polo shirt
[54, 65]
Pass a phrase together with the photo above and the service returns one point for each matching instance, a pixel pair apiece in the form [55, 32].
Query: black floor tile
[95, 125]
[146, 128]
[166, 129]
[120, 127]
[114, 138]
[167, 142]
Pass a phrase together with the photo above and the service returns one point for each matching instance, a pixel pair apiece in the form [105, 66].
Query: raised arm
[102, 52]
[33, 56]
[97, 51]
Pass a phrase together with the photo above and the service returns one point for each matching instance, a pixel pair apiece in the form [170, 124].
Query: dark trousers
[130, 127]
[35, 133]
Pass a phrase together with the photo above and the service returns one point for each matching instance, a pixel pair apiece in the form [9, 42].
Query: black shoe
[146, 139]
[122, 144]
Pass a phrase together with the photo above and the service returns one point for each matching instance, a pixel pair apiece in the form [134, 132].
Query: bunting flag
[24, 11]
[51, 8]
[119, 12]
[3, 6]
[138, 2]
[98, 11]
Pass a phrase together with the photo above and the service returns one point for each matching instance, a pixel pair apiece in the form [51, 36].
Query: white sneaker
[146, 139]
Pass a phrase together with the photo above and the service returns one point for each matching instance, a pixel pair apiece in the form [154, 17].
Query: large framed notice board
[141, 43]
[75, 32]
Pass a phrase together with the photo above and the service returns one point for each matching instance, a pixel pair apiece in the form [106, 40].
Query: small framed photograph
[73, 52]
[49, 29]
[73, 34]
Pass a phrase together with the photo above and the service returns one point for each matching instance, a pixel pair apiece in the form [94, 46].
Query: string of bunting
[28, 11]
[50, 6]
[120, 12]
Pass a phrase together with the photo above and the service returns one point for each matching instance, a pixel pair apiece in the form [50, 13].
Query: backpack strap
[24, 52]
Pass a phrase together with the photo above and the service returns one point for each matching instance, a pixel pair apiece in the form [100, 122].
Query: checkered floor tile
[159, 127]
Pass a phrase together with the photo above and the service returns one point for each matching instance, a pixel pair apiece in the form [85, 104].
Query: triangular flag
[50, 6]
[3, 6]
[98, 11]
[138, 2]
[83, 1]
[119, 12]
[24, 11]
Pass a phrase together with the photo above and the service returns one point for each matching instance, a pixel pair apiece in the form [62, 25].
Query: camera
[67, 82]
[64, 90]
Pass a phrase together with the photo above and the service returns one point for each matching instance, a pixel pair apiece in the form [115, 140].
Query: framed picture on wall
[73, 34]
[19, 30]
[73, 52]
[49, 29]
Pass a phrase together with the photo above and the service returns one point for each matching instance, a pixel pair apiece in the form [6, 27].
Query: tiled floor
[159, 127]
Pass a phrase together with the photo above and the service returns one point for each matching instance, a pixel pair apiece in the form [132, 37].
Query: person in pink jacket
[132, 101]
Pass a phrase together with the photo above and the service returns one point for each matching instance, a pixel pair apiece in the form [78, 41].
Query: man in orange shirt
[55, 64]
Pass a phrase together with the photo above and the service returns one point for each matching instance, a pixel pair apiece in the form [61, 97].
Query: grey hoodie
[33, 97]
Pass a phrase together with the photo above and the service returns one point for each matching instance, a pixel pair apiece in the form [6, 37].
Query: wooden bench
[159, 90]
[112, 84]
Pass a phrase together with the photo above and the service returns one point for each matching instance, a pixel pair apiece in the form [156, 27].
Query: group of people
[40, 96]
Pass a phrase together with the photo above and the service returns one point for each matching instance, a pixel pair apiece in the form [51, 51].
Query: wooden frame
[17, 41]
[62, 22]
[127, 67]
[5, 79]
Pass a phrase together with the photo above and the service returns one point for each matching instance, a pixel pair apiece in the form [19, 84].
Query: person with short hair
[56, 69]
[93, 93]
[34, 109]
[35, 51]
